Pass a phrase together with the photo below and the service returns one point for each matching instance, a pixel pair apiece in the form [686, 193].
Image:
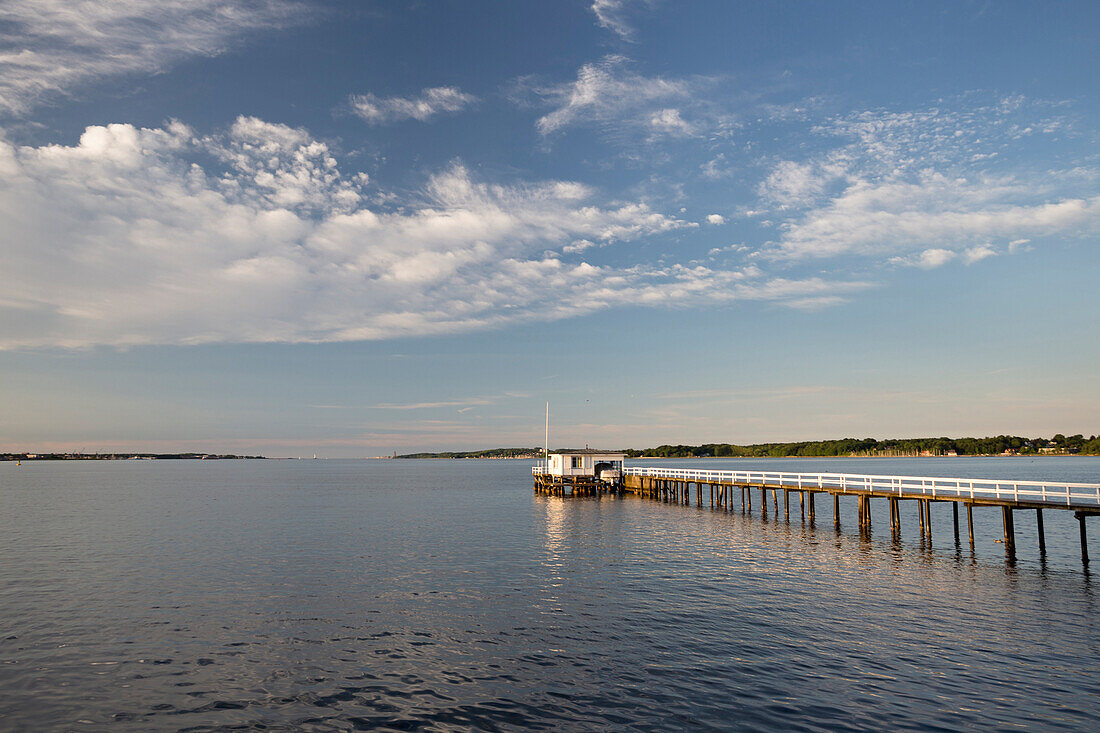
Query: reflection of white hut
[582, 471]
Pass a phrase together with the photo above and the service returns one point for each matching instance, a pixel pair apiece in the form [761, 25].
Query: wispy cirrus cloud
[52, 47]
[610, 91]
[429, 103]
[612, 15]
[133, 237]
[465, 403]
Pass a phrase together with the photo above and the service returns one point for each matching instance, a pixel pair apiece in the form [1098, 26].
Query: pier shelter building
[579, 472]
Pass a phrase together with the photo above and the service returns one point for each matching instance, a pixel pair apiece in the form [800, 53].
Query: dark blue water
[442, 595]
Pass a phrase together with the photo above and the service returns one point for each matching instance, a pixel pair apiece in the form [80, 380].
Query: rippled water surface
[441, 595]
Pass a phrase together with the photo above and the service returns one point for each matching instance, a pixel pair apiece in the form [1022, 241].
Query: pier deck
[675, 485]
[1015, 494]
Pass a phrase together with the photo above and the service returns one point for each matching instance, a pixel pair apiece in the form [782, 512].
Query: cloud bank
[925, 187]
[162, 236]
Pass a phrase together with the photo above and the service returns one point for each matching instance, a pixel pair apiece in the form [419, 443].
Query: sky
[350, 228]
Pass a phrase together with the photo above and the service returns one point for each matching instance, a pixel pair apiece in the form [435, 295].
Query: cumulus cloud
[162, 236]
[429, 103]
[49, 47]
[669, 122]
[978, 253]
[716, 219]
[929, 259]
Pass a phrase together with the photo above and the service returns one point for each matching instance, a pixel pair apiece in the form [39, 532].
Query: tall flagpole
[546, 450]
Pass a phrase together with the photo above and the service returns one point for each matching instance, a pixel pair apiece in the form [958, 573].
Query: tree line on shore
[996, 445]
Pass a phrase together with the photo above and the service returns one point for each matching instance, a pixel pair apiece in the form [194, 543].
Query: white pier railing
[1059, 494]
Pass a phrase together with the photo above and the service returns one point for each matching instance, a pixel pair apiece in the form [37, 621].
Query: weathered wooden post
[836, 510]
[1042, 535]
[955, 519]
[813, 514]
[763, 503]
[1084, 538]
[970, 524]
[1010, 532]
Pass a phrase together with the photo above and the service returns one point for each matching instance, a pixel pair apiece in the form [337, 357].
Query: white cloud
[978, 253]
[716, 219]
[932, 258]
[54, 46]
[669, 122]
[715, 168]
[611, 14]
[904, 182]
[609, 90]
[870, 218]
[125, 239]
[429, 103]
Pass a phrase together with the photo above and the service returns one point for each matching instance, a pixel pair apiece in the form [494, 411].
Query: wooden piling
[955, 519]
[1010, 531]
[970, 524]
[1042, 534]
[920, 516]
[786, 505]
[812, 513]
[836, 509]
[1084, 538]
[763, 503]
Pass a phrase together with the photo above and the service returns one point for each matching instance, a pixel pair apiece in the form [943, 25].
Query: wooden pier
[563, 486]
[730, 489]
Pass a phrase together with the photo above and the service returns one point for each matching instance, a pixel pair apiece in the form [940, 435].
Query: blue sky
[356, 227]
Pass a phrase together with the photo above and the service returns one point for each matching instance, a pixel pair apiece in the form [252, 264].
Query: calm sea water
[443, 595]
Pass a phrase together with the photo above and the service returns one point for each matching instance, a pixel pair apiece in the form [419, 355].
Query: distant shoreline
[30, 456]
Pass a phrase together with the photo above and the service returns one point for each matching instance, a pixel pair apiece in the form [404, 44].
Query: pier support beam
[955, 519]
[1010, 531]
[970, 524]
[836, 510]
[813, 514]
[763, 503]
[1042, 534]
[1084, 538]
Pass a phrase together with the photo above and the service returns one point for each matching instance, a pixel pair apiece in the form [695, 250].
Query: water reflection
[445, 595]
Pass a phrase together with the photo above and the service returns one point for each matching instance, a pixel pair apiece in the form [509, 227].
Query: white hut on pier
[598, 465]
